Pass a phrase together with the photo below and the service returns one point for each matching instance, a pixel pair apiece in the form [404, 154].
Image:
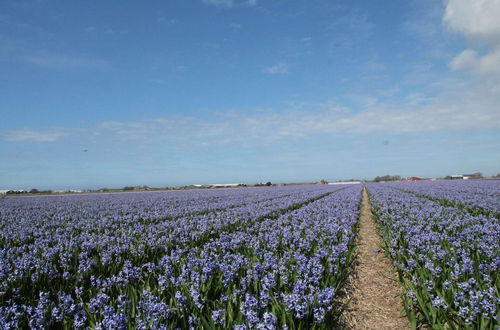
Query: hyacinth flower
[236, 258]
[476, 197]
[448, 258]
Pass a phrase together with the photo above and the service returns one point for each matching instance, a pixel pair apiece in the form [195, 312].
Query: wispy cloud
[27, 134]
[18, 51]
[350, 29]
[182, 68]
[170, 21]
[230, 3]
[424, 24]
[224, 3]
[279, 68]
[458, 105]
[105, 30]
[462, 109]
[63, 61]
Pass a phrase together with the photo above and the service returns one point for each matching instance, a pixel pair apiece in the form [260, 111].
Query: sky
[117, 93]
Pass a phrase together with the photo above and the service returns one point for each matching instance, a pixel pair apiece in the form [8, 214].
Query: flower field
[444, 239]
[250, 258]
[240, 258]
[477, 197]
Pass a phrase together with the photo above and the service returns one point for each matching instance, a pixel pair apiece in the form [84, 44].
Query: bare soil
[374, 293]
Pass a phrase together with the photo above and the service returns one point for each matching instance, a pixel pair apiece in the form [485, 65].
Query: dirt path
[375, 301]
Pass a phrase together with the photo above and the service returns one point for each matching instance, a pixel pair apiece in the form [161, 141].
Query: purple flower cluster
[478, 196]
[263, 258]
[448, 258]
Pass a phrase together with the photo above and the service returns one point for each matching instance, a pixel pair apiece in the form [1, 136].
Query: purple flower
[218, 316]
[319, 315]
[325, 297]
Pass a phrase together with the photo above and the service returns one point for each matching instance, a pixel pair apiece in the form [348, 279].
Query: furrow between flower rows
[448, 260]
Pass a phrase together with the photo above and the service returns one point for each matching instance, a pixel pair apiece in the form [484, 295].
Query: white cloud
[33, 135]
[279, 68]
[469, 59]
[224, 3]
[252, 2]
[478, 21]
[460, 108]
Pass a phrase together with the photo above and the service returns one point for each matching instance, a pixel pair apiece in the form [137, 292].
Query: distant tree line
[128, 188]
[268, 184]
[387, 178]
[32, 191]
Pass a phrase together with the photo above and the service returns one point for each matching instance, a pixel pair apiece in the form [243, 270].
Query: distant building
[466, 176]
[472, 176]
[414, 178]
[220, 185]
[68, 191]
[346, 182]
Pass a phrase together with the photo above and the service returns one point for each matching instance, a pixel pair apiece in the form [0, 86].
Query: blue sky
[101, 93]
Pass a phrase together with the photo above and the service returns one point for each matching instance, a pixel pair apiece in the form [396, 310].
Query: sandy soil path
[375, 294]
